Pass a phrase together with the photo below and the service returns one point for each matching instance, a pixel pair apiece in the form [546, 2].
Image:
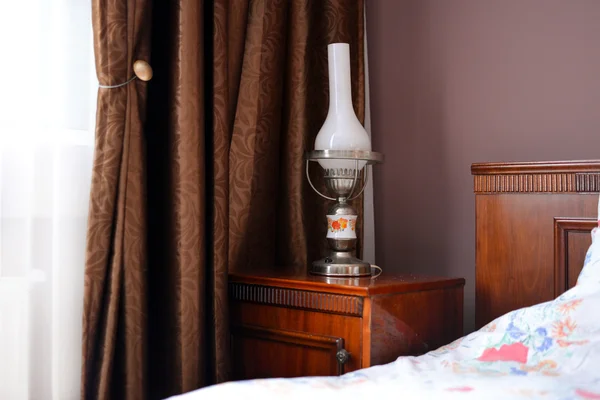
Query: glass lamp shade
[341, 130]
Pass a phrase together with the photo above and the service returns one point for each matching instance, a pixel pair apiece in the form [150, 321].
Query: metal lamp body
[341, 260]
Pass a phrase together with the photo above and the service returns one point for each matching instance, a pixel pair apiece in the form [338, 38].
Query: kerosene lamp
[343, 150]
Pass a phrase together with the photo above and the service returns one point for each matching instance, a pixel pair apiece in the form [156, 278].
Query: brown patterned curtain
[114, 322]
[202, 176]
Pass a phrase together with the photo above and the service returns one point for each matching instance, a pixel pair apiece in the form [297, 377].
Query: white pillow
[591, 267]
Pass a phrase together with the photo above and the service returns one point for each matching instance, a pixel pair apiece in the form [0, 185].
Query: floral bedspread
[547, 351]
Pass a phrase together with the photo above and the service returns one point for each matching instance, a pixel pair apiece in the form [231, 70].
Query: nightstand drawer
[283, 353]
[275, 341]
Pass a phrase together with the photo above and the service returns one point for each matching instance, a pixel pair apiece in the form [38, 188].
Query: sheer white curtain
[47, 105]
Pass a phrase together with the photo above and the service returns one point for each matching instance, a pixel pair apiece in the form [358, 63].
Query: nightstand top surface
[383, 284]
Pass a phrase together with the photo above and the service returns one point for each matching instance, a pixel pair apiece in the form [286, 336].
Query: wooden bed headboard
[533, 223]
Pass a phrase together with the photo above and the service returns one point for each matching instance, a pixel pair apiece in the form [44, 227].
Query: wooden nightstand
[303, 325]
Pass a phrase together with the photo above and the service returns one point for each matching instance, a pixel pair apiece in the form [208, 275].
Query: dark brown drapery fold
[212, 182]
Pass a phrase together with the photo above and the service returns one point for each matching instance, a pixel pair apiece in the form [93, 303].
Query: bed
[537, 302]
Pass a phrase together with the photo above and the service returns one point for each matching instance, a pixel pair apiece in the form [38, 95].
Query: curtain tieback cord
[141, 69]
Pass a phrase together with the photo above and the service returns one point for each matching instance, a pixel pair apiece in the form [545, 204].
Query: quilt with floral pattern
[547, 351]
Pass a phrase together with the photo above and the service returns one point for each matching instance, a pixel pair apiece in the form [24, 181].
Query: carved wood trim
[562, 228]
[537, 177]
[588, 183]
[541, 183]
[316, 301]
[536, 167]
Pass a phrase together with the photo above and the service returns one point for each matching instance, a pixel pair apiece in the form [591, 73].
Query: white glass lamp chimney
[341, 130]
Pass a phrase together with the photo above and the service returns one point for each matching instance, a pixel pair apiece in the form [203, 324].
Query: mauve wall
[460, 81]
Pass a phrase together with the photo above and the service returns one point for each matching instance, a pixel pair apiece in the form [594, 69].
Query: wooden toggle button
[142, 70]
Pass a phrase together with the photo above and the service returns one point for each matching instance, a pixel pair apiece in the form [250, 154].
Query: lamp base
[342, 264]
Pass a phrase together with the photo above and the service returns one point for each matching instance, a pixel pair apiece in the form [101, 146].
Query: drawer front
[260, 352]
[294, 342]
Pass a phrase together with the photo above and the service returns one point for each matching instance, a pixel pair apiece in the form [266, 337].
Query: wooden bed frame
[533, 222]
